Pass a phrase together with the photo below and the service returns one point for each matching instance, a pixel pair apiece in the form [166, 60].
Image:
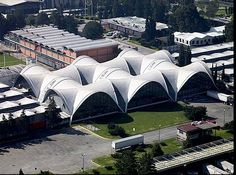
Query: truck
[127, 142]
[220, 96]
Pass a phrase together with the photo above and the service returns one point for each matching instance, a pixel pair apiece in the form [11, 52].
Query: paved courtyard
[60, 152]
[215, 108]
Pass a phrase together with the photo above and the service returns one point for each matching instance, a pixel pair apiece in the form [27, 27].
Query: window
[196, 42]
[186, 42]
[193, 42]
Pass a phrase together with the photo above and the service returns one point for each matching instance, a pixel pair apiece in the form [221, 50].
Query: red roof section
[188, 127]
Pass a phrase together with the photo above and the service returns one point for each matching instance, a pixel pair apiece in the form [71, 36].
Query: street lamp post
[159, 133]
[4, 59]
[83, 162]
[224, 116]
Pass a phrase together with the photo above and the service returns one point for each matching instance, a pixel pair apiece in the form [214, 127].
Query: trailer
[127, 142]
[225, 165]
[220, 96]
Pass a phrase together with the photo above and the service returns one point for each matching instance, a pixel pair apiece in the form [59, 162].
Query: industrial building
[58, 48]
[133, 26]
[195, 130]
[19, 113]
[28, 6]
[199, 39]
[216, 57]
[86, 88]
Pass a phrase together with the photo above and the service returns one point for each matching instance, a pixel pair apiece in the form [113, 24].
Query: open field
[142, 120]
[10, 60]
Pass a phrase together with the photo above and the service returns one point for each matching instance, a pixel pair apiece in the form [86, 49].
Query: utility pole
[4, 59]
[224, 116]
[83, 161]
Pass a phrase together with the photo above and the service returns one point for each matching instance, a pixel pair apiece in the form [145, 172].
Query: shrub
[116, 130]
[156, 150]
[95, 172]
[139, 148]
[108, 167]
[116, 155]
[111, 126]
[195, 113]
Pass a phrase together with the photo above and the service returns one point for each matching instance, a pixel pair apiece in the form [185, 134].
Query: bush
[116, 155]
[111, 126]
[156, 150]
[195, 113]
[95, 172]
[116, 130]
[139, 148]
[108, 167]
[229, 126]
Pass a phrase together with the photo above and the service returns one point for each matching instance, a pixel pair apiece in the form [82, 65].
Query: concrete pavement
[61, 151]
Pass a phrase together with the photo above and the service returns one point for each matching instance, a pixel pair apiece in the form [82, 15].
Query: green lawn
[9, 60]
[223, 134]
[221, 12]
[168, 146]
[144, 120]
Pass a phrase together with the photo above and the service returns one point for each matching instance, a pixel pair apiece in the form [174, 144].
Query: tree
[159, 11]
[146, 165]
[93, 30]
[4, 26]
[185, 55]
[126, 163]
[147, 9]
[42, 18]
[156, 150]
[186, 18]
[223, 72]
[212, 8]
[16, 20]
[229, 31]
[30, 20]
[21, 172]
[57, 19]
[138, 8]
[70, 24]
[116, 9]
[195, 113]
[150, 29]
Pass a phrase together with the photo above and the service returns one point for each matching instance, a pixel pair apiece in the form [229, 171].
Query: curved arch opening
[150, 93]
[198, 83]
[58, 100]
[97, 104]
[21, 82]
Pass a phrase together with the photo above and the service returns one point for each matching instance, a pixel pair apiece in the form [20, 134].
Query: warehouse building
[19, 114]
[28, 6]
[133, 26]
[58, 48]
[86, 88]
[215, 34]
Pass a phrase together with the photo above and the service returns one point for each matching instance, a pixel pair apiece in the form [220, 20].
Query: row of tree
[128, 163]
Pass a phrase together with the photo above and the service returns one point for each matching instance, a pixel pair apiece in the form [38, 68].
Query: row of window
[193, 42]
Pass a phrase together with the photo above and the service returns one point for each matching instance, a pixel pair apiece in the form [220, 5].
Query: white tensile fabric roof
[127, 73]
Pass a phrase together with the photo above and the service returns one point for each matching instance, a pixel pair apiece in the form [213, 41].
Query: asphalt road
[215, 109]
[61, 151]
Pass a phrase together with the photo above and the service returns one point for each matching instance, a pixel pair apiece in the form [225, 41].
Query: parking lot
[216, 109]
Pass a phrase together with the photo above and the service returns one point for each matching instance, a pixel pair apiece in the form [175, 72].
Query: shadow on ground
[37, 138]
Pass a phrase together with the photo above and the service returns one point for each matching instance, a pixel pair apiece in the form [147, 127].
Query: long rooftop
[56, 39]
[134, 23]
